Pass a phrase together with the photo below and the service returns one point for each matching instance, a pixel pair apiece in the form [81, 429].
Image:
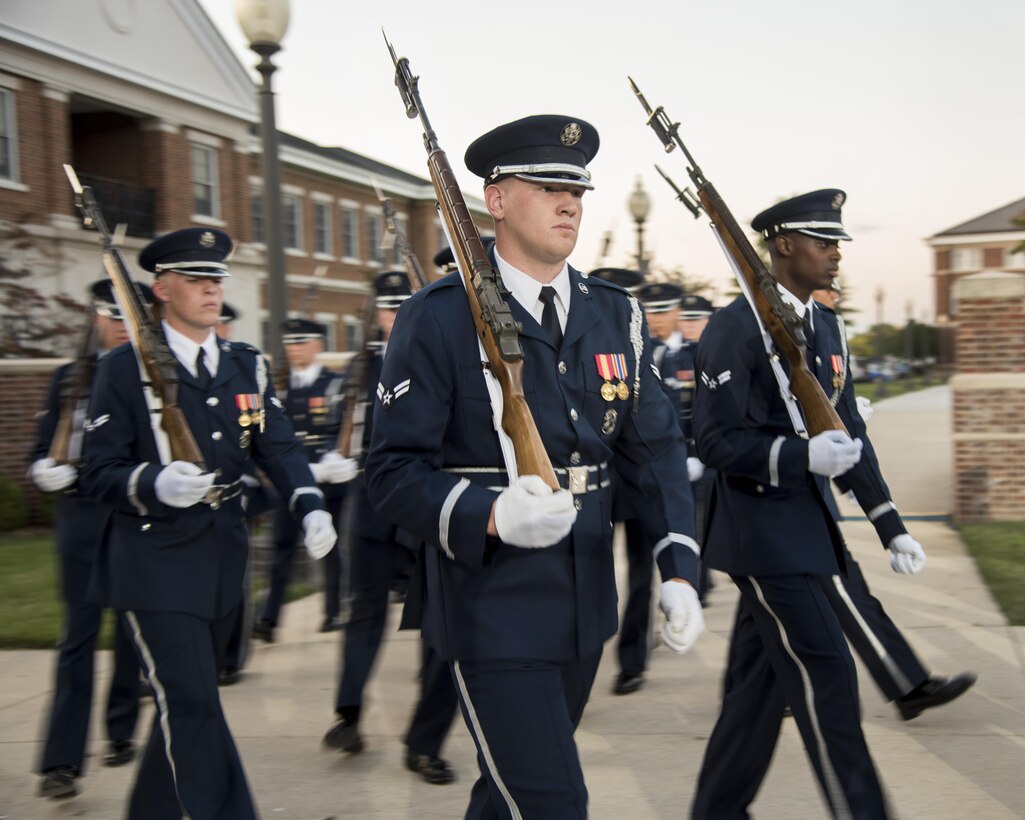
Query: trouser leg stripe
[159, 696]
[485, 750]
[837, 798]
[899, 678]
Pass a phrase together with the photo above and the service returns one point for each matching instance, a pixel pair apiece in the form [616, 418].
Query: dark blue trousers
[788, 647]
[190, 767]
[287, 534]
[68, 727]
[522, 715]
[634, 642]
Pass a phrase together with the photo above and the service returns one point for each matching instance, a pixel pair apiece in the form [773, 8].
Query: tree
[1019, 220]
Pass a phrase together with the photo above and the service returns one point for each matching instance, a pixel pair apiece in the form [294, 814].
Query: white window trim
[201, 138]
[288, 192]
[318, 196]
[327, 203]
[9, 101]
[215, 185]
[349, 206]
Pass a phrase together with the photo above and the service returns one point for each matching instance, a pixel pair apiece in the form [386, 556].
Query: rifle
[776, 316]
[157, 362]
[74, 389]
[496, 328]
[357, 381]
[417, 277]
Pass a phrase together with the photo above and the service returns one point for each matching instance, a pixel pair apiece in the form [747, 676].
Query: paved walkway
[640, 753]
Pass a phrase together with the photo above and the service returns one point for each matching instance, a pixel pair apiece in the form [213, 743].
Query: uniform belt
[219, 493]
[584, 478]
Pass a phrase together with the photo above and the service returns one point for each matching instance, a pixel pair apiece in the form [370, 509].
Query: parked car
[858, 372]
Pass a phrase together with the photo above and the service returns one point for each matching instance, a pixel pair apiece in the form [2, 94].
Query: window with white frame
[353, 332]
[8, 137]
[375, 225]
[292, 217]
[350, 232]
[256, 217]
[1015, 261]
[205, 182]
[322, 242]
[965, 259]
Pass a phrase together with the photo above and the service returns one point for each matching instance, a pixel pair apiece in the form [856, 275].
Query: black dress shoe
[59, 782]
[264, 630]
[628, 682]
[332, 624]
[934, 692]
[432, 769]
[344, 735]
[119, 752]
[228, 676]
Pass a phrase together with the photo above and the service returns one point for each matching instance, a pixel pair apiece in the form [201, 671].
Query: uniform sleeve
[651, 459]
[732, 403]
[116, 434]
[280, 455]
[48, 417]
[411, 415]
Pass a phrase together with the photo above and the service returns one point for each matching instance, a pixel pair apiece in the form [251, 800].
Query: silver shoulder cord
[793, 409]
[262, 382]
[638, 345]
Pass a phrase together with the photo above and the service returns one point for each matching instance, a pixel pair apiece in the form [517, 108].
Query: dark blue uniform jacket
[315, 412]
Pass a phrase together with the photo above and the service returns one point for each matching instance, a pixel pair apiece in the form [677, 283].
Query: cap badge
[837, 202]
[207, 239]
[571, 134]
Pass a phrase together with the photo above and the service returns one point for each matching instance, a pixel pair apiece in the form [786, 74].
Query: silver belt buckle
[214, 495]
[577, 480]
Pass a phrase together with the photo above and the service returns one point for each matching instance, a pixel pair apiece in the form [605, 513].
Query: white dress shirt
[186, 350]
[306, 376]
[526, 290]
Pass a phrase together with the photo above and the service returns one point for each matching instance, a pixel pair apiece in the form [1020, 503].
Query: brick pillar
[989, 398]
[60, 205]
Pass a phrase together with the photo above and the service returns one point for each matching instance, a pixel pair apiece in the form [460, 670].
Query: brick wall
[989, 398]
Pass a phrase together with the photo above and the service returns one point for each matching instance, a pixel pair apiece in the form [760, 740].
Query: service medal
[608, 423]
[244, 420]
[608, 392]
[623, 391]
[612, 366]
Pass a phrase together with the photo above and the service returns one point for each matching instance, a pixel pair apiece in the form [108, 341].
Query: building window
[256, 217]
[965, 259]
[375, 253]
[1015, 261]
[205, 194]
[8, 137]
[292, 209]
[350, 233]
[322, 228]
[353, 332]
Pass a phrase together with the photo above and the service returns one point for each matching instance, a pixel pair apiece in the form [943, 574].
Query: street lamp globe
[263, 21]
[639, 203]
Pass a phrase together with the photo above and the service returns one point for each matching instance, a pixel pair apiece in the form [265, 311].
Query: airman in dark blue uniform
[177, 549]
[517, 585]
[377, 547]
[313, 403]
[80, 525]
[770, 529]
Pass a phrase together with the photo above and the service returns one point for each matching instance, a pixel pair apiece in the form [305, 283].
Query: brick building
[154, 111]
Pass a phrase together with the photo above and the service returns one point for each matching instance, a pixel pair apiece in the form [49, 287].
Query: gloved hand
[865, 408]
[906, 555]
[334, 468]
[318, 533]
[182, 484]
[833, 453]
[684, 619]
[530, 514]
[695, 469]
[49, 476]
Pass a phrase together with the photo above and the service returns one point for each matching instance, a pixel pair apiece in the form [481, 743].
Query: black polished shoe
[228, 676]
[119, 752]
[59, 783]
[263, 630]
[432, 769]
[332, 624]
[345, 736]
[934, 692]
[628, 682]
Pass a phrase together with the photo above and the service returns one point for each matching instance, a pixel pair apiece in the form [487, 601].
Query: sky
[913, 108]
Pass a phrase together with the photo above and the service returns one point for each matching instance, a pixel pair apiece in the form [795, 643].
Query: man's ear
[494, 201]
[159, 289]
[784, 245]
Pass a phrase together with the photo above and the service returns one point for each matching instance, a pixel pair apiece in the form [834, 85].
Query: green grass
[999, 552]
[31, 611]
[896, 387]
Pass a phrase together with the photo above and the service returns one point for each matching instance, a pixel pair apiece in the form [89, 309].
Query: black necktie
[202, 374]
[809, 334]
[549, 318]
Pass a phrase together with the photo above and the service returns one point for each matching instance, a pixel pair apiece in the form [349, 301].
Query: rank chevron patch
[387, 396]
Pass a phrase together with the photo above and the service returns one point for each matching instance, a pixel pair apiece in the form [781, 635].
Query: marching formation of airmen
[654, 409]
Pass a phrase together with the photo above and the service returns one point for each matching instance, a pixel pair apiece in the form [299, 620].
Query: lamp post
[880, 296]
[639, 205]
[264, 23]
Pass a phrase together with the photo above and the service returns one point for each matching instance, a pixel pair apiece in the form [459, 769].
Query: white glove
[865, 408]
[182, 484]
[833, 453]
[906, 555]
[334, 468]
[319, 533]
[49, 476]
[695, 469]
[684, 620]
[529, 514]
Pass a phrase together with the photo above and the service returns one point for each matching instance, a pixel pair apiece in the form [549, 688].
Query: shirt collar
[798, 305]
[186, 350]
[526, 289]
[306, 376]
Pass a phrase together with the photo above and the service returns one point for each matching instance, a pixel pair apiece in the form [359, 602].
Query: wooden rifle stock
[74, 388]
[778, 318]
[498, 332]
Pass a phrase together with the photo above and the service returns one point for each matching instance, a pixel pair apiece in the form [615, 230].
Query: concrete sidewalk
[640, 753]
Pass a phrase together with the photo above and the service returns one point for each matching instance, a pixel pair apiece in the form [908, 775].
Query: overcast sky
[914, 108]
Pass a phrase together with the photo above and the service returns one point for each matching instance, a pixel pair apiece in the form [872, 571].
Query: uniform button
[145, 527]
[574, 458]
[213, 401]
[562, 368]
[216, 435]
[573, 415]
[759, 489]
[578, 503]
[818, 360]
